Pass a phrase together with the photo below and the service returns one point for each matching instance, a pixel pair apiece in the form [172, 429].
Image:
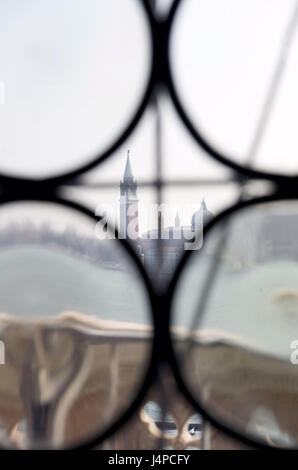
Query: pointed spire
[128, 171]
[203, 204]
[160, 226]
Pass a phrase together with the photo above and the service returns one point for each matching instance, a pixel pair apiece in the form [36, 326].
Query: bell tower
[129, 226]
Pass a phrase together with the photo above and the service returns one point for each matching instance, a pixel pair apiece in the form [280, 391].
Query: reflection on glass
[75, 324]
[234, 330]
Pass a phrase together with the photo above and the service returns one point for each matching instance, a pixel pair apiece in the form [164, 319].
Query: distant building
[161, 248]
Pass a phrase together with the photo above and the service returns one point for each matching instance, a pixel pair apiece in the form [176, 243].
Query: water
[39, 281]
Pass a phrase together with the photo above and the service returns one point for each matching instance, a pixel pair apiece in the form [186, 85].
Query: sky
[72, 72]
[75, 70]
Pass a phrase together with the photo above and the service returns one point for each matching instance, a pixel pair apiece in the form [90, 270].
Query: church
[160, 249]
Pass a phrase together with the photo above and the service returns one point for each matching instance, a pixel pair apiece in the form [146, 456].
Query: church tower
[129, 226]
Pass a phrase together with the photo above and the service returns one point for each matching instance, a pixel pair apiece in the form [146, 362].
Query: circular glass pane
[75, 328]
[235, 322]
[235, 69]
[72, 74]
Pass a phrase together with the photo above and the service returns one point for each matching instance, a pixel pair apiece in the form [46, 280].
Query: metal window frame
[160, 80]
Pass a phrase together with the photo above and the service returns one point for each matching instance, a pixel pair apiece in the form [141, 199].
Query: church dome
[202, 216]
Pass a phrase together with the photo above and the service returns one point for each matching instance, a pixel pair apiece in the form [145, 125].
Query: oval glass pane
[235, 70]
[235, 323]
[72, 74]
[75, 328]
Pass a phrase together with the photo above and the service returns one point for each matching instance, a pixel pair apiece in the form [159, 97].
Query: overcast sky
[74, 70]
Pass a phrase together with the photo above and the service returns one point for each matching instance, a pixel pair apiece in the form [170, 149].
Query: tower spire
[128, 175]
